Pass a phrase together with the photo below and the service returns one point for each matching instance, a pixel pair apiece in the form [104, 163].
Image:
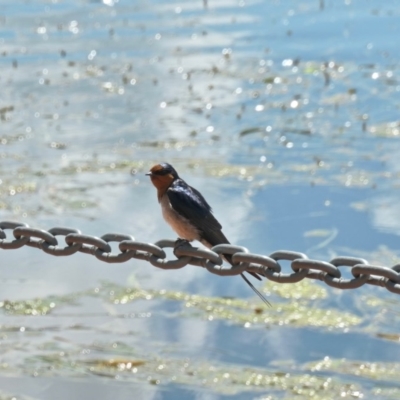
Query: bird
[187, 212]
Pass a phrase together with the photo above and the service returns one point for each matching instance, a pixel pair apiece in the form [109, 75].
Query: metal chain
[268, 266]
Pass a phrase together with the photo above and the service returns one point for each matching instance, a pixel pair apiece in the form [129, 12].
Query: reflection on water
[284, 114]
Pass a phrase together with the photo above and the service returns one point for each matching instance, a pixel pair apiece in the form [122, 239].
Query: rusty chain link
[268, 266]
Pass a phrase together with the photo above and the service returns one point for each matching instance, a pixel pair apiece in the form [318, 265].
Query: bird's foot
[181, 242]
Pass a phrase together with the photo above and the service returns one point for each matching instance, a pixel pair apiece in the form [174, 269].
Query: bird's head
[162, 175]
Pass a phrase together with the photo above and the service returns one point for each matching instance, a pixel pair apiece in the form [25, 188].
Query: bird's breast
[181, 225]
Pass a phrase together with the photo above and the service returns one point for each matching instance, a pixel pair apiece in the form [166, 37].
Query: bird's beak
[148, 174]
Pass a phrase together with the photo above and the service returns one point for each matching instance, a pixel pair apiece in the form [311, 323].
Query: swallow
[187, 212]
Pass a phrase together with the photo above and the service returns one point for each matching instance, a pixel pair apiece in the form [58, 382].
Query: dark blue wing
[189, 203]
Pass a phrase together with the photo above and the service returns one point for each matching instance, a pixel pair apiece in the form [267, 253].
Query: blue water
[283, 113]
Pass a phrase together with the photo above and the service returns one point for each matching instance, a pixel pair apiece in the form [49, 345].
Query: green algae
[161, 363]
[299, 311]
[227, 379]
[376, 371]
[38, 306]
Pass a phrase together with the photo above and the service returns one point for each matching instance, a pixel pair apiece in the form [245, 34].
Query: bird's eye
[161, 172]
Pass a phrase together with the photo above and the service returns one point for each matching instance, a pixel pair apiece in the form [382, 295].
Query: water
[283, 114]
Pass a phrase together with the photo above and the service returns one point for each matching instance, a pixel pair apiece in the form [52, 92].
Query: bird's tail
[228, 258]
[219, 238]
[256, 291]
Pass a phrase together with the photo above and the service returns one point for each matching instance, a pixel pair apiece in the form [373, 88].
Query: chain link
[268, 266]
[107, 256]
[55, 250]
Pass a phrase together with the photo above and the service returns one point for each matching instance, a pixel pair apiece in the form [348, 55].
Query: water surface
[284, 114]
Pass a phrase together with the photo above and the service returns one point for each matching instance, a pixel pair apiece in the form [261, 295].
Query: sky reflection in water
[284, 114]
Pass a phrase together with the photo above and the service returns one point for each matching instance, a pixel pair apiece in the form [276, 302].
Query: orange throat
[162, 183]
